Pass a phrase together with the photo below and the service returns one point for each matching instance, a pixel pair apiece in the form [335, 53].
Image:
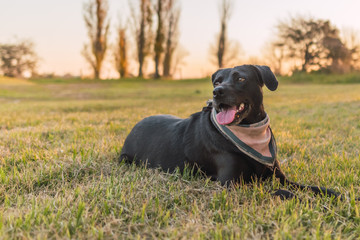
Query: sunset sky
[57, 28]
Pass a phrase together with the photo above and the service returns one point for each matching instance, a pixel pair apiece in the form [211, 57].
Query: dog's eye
[241, 79]
[216, 84]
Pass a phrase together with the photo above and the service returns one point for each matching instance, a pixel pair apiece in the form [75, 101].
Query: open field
[59, 178]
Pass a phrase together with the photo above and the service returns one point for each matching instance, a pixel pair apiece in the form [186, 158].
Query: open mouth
[228, 114]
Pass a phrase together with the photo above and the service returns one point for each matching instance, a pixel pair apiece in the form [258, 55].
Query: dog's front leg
[230, 169]
[226, 175]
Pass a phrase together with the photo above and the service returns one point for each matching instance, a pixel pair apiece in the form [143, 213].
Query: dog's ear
[267, 77]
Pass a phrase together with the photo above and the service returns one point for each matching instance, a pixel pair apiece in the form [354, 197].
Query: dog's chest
[257, 138]
[254, 140]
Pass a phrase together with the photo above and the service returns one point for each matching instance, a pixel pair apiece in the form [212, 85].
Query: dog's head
[237, 94]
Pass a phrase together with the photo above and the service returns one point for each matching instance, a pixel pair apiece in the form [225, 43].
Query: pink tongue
[226, 116]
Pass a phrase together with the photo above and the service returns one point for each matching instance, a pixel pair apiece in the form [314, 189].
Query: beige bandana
[257, 136]
[255, 140]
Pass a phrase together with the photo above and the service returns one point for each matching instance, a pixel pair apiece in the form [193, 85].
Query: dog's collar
[237, 135]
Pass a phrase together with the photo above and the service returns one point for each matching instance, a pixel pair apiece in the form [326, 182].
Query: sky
[57, 28]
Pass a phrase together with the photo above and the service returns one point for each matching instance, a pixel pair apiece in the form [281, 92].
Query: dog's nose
[218, 91]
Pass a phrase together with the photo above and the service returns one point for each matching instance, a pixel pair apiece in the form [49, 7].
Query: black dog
[210, 139]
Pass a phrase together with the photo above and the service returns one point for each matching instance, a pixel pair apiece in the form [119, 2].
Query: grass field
[322, 78]
[59, 178]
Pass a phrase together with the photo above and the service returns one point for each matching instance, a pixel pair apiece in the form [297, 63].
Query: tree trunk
[306, 58]
[96, 73]
[168, 51]
[172, 23]
[167, 59]
[159, 39]
[221, 46]
[141, 44]
[95, 16]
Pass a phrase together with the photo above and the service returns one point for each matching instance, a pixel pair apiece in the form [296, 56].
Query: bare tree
[224, 51]
[160, 36]
[142, 23]
[121, 60]
[231, 56]
[172, 35]
[303, 39]
[225, 14]
[17, 58]
[95, 16]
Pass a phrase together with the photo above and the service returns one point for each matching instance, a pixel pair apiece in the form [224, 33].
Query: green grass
[322, 78]
[59, 177]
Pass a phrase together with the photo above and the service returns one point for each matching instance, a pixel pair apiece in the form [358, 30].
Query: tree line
[307, 44]
[301, 43]
[160, 44]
